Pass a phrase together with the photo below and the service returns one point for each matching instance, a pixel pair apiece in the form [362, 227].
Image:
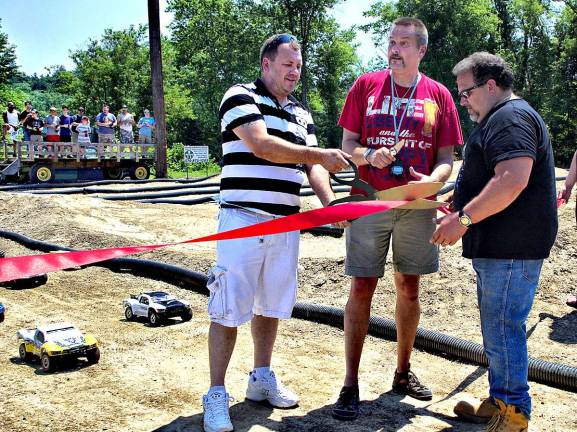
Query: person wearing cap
[23, 116]
[33, 125]
[145, 126]
[52, 125]
[76, 120]
[126, 121]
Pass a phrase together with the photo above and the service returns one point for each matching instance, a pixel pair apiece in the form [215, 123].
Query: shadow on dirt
[64, 366]
[563, 329]
[386, 413]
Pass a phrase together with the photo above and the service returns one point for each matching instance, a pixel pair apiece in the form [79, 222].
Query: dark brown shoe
[347, 405]
[408, 384]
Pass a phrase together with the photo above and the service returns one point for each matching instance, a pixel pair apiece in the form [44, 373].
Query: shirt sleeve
[513, 141]
[311, 132]
[449, 131]
[238, 107]
[352, 114]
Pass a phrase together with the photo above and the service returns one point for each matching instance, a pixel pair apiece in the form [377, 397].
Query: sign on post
[194, 154]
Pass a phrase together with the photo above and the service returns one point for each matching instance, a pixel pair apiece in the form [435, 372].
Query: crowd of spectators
[29, 125]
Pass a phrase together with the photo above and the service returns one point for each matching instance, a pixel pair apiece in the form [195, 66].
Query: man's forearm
[320, 183]
[496, 196]
[357, 151]
[275, 149]
[572, 174]
[442, 171]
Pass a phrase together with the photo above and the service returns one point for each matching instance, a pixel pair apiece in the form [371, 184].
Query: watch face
[465, 220]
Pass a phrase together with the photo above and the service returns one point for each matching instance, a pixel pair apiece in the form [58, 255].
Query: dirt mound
[153, 378]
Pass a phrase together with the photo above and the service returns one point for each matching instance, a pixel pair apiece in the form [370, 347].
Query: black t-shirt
[527, 228]
[34, 126]
[22, 116]
[76, 118]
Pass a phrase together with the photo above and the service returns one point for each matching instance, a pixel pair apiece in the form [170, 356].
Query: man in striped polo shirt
[269, 145]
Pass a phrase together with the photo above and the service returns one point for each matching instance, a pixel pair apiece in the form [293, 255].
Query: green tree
[115, 70]
[305, 19]
[8, 67]
[334, 70]
[561, 104]
[217, 45]
[456, 29]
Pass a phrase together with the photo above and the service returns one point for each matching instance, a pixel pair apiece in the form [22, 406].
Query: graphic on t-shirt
[430, 108]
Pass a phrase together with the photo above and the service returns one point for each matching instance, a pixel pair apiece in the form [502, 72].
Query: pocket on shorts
[216, 284]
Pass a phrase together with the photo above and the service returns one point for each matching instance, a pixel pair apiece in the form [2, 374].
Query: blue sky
[45, 35]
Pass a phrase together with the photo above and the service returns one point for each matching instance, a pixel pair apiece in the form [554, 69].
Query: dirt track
[153, 378]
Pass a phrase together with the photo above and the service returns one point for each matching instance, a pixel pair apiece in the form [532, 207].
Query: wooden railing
[30, 151]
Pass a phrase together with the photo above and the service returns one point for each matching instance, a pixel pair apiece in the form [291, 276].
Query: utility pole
[157, 86]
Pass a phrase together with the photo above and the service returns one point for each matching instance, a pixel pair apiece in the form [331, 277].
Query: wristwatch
[369, 151]
[465, 219]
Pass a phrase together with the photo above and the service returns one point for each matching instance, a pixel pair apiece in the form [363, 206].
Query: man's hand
[421, 178]
[449, 230]
[565, 193]
[334, 160]
[343, 224]
[381, 158]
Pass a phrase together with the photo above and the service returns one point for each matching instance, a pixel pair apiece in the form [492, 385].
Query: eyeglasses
[467, 92]
[275, 42]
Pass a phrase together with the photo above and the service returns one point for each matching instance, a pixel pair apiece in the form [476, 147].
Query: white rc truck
[156, 306]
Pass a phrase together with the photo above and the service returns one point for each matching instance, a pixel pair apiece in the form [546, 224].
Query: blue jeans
[505, 291]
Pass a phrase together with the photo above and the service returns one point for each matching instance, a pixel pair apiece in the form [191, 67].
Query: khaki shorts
[253, 276]
[369, 237]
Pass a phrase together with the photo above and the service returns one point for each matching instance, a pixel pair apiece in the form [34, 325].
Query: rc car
[2, 310]
[55, 342]
[156, 306]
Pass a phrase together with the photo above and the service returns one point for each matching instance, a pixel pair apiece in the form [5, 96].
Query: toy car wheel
[47, 363]
[1, 317]
[24, 355]
[153, 318]
[187, 316]
[128, 313]
[93, 356]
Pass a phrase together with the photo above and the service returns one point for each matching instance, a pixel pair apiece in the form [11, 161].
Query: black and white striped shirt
[252, 182]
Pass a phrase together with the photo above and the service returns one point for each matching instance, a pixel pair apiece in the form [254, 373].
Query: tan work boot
[479, 413]
[509, 419]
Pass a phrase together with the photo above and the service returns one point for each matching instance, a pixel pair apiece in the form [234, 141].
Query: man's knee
[363, 288]
[407, 286]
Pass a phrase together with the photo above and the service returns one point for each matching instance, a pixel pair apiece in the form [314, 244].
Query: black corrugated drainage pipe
[100, 182]
[96, 190]
[187, 192]
[553, 374]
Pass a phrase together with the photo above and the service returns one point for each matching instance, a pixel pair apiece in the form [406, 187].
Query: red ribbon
[26, 266]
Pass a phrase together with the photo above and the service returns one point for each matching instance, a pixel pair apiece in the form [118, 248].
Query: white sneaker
[216, 416]
[271, 389]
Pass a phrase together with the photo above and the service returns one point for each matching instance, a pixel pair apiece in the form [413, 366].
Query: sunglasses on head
[467, 92]
[275, 42]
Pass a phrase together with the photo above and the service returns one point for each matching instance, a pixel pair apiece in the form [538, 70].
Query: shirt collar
[259, 84]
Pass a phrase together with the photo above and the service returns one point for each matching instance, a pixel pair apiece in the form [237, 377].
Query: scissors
[415, 193]
[356, 182]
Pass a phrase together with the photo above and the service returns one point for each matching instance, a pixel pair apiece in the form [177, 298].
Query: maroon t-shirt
[431, 122]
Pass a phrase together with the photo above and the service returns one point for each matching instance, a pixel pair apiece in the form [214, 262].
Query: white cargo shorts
[253, 276]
